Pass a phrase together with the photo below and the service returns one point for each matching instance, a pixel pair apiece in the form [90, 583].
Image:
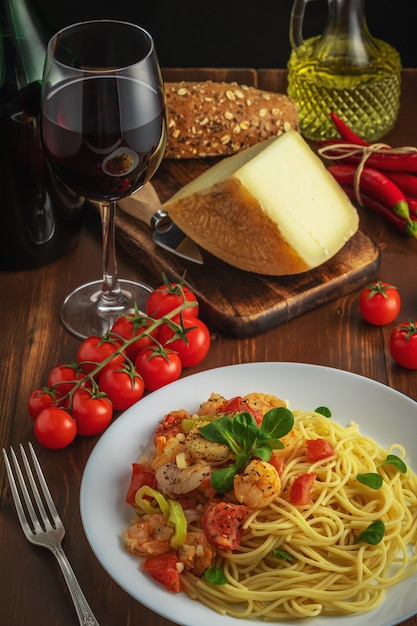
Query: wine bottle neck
[23, 43]
[30, 40]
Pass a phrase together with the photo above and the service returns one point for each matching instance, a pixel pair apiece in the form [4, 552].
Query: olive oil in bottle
[346, 71]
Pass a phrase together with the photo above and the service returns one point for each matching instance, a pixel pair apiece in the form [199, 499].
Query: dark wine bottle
[40, 218]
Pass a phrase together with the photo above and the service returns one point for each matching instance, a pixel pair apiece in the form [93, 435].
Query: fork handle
[85, 614]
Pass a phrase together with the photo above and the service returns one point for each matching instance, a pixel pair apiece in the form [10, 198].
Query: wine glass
[104, 133]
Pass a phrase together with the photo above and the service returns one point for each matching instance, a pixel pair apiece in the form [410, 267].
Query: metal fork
[44, 527]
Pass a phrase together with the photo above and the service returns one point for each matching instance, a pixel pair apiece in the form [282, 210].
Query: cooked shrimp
[290, 441]
[150, 535]
[196, 553]
[200, 448]
[263, 401]
[212, 405]
[258, 485]
[175, 480]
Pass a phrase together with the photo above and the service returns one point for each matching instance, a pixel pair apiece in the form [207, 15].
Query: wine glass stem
[111, 295]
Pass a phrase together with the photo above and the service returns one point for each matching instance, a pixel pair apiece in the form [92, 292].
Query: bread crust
[209, 119]
[243, 235]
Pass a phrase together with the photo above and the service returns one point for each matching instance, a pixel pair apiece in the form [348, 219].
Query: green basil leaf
[275, 444]
[221, 431]
[395, 460]
[222, 479]
[373, 534]
[372, 480]
[215, 576]
[282, 554]
[245, 430]
[241, 460]
[323, 410]
[263, 452]
[277, 423]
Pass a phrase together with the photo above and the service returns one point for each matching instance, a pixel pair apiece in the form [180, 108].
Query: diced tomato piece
[232, 405]
[318, 449]
[239, 405]
[277, 462]
[222, 524]
[300, 491]
[163, 569]
[140, 477]
[170, 425]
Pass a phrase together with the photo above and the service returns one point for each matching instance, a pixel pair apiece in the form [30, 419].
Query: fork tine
[15, 492]
[45, 489]
[44, 515]
[35, 519]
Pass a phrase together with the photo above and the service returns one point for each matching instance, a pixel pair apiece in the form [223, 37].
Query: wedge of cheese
[271, 209]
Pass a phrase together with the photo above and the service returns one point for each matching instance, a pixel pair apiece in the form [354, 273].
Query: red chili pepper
[405, 181]
[402, 225]
[382, 160]
[412, 205]
[376, 185]
[345, 132]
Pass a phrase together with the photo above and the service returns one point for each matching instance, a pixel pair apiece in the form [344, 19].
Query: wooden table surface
[32, 590]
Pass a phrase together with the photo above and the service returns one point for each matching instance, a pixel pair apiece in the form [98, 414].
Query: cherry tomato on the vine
[131, 325]
[92, 412]
[380, 303]
[42, 398]
[123, 385]
[54, 428]
[64, 376]
[196, 345]
[96, 349]
[168, 297]
[403, 344]
[158, 367]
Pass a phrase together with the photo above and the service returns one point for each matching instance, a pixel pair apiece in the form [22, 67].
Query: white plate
[381, 412]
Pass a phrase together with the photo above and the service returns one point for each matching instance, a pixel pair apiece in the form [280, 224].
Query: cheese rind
[271, 209]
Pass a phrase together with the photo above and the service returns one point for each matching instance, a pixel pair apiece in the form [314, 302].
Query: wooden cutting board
[235, 302]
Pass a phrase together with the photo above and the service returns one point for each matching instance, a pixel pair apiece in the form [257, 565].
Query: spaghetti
[307, 560]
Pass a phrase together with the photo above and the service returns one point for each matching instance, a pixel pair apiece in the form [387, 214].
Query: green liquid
[366, 99]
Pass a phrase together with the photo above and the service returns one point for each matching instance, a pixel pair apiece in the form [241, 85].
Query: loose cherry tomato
[92, 412]
[123, 385]
[300, 490]
[403, 344]
[168, 297]
[131, 325]
[380, 303]
[97, 349]
[42, 398]
[54, 428]
[194, 348]
[158, 367]
[163, 569]
[63, 377]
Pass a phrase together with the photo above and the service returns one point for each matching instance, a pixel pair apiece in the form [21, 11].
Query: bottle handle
[296, 22]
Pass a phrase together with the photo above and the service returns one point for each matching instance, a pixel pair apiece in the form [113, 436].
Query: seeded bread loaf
[209, 118]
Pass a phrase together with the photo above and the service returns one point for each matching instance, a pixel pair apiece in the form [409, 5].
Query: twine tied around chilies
[340, 151]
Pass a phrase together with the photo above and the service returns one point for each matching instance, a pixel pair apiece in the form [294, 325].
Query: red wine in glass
[109, 148]
[104, 133]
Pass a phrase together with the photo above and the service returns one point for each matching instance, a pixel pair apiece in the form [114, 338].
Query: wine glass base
[82, 315]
